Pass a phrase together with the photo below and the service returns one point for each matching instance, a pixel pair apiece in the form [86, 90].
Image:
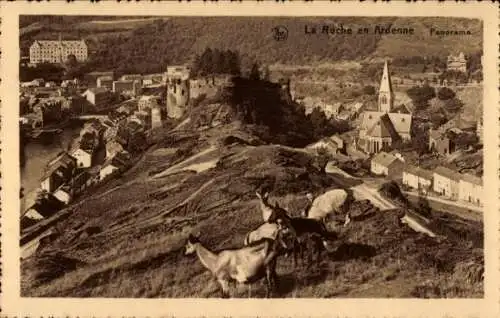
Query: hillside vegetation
[129, 45]
[126, 238]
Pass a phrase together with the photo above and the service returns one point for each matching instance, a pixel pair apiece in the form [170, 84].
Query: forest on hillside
[149, 46]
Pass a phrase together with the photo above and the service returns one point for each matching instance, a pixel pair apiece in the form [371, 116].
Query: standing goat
[245, 265]
[335, 201]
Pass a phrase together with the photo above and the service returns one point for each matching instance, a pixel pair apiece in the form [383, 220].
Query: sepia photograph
[234, 157]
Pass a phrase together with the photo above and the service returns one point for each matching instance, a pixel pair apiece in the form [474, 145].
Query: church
[380, 129]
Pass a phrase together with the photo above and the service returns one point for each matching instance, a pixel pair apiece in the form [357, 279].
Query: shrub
[446, 93]
[369, 90]
[421, 95]
[392, 191]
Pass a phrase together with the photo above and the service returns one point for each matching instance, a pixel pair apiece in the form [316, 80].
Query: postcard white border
[13, 305]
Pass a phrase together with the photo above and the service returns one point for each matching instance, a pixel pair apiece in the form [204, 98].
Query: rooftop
[383, 158]
[417, 171]
[471, 179]
[448, 173]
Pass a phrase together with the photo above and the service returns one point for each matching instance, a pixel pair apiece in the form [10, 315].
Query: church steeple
[385, 93]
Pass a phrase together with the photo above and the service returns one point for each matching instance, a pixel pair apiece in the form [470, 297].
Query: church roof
[383, 128]
[385, 82]
[401, 122]
[369, 118]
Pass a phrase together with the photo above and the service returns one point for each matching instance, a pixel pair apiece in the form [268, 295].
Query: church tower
[385, 93]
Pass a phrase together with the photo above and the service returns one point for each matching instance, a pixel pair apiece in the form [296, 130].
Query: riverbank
[36, 156]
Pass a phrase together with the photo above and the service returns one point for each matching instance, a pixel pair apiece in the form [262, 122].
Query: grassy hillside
[151, 43]
[127, 239]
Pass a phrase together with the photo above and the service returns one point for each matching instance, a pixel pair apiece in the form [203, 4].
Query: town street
[475, 212]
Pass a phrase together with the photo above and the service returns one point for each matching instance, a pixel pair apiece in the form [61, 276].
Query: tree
[453, 105]
[369, 90]
[446, 93]
[420, 95]
[137, 142]
[71, 61]
[423, 206]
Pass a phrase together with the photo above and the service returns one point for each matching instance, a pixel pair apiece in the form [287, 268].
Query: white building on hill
[57, 51]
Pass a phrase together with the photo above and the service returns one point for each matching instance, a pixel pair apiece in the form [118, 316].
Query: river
[37, 155]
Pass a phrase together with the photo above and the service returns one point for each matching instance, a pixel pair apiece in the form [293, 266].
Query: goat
[300, 227]
[245, 265]
[265, 230]
[266, 208]
[270, 231]
[312, 243]
[333, 201]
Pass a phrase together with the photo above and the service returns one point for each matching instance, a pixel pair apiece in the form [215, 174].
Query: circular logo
[280, 33]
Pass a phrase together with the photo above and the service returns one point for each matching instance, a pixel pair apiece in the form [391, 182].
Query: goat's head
[191, 243]
[309, 196]
[286, 236]
[263, 197]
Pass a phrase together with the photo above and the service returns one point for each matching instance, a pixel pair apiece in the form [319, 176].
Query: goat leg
[225, 288]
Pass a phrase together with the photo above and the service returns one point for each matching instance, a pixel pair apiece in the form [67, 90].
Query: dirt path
[362, 192]
[184, 163]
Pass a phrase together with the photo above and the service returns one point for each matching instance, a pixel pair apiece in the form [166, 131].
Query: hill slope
[152, 43]
[126, 239]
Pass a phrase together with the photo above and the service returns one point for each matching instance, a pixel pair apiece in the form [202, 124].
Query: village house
[386, 164]
[132, 77]
[76, 104]
[114, 165]
[356, 109]
[118, 116]
[332, 110]
[457, 63]
[63, 194]
[417, 178]
[86, 150]
[99, 97]
[156, 119]
[470, 189]
[128, 87]
[341, 143]
[379, 130]
[147, 102]
[112, 148]
[74, 187]
[47, 92]
[105, 81]
[446, 182]
[43, 208]
[59, 170]
[93, 76]
[333, 145]
[48, 111]
[440, 143]
[152, 79]
[83, 157]
[110, 132]
[181, 72]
